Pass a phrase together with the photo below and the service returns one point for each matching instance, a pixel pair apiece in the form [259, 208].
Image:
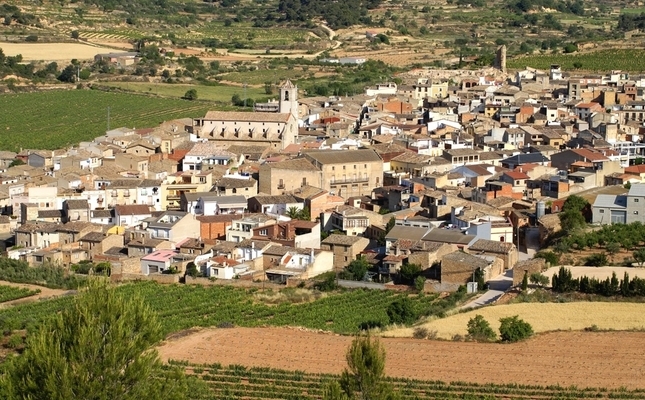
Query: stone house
[505, 251]
[527, 267]
[458, 268]
[37, 234]
[344, 248]
[76, 210]
[95, 243]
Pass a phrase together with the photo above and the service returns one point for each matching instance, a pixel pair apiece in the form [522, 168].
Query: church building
[276, 125]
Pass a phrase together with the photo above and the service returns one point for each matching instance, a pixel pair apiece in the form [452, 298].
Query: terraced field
[55, 119]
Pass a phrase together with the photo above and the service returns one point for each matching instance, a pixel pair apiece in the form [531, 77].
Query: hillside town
[456, 171]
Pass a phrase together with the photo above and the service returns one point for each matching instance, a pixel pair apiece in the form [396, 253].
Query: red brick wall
[213, 230]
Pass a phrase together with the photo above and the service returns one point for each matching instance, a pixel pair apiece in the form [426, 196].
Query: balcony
[126, 193]
[173, 197]
[281, 186]
[349, 180]
[115, 193]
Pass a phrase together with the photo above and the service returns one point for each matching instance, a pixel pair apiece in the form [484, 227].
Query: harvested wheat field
[53, 51]
[544, 317]
[584, 359]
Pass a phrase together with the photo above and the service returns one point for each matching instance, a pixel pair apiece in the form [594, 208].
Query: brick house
[213, 227]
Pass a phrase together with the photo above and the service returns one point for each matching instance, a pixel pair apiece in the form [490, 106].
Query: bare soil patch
[52, 51]
[598, 359]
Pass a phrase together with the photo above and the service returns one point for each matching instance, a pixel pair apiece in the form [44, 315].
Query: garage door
[618, 217]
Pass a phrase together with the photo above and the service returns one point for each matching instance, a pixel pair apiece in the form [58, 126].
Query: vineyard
[8, 293]
[604, 60]
[236, 382]
[181, 307]
[61, 118]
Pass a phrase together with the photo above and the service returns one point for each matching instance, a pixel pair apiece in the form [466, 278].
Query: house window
[517, 182]
[635, 200]
[602, 211]
[636, 212]
[264, 232]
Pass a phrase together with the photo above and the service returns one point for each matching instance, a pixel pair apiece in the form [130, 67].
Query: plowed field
[584, 359]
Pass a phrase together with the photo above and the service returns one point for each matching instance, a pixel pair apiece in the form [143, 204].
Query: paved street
[497, 287]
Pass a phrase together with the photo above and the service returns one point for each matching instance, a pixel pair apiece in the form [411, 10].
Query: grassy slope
[543, 317]
[50, 120]
[212, 93]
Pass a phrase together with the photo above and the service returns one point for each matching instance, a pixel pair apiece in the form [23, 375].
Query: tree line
[563, 282]
[337, 14]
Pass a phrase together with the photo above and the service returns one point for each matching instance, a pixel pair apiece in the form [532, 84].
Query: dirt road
[566, 358]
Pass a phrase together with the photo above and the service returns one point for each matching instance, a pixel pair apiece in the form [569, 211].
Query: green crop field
[238, 382]
[259, 77]
[605, 60]
[54, 119]
[252, 36]
[8, 293]
[222, 93]
[185, 306]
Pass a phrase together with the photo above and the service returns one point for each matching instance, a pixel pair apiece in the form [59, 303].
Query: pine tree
[525, 281]
[364, 377]
[99, 348]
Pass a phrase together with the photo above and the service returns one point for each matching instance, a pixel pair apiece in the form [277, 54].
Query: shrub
[14, 341]
[596, 260]
[326, 282]
[479, 330]
[513, 329]
[549, 257]
[420, 333]
[401, 311]
[537, 278]
[419, 283]
[409, 272]
[190, 94]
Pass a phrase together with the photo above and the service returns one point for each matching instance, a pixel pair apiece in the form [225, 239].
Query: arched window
[286, 95]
